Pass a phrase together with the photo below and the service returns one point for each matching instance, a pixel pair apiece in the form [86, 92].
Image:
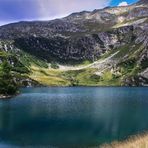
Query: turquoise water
[72, 117]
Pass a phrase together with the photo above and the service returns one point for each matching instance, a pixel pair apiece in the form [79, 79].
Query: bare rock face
[86, 47]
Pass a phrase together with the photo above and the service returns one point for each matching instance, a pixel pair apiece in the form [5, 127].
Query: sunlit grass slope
[85, 77]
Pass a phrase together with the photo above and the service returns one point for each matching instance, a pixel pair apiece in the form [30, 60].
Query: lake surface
[72, 117]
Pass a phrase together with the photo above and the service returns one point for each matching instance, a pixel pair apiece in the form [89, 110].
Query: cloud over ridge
[19, 10]
[64, 7]
[123, 4]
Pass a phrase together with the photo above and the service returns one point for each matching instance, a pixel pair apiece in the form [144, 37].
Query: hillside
[106, 47]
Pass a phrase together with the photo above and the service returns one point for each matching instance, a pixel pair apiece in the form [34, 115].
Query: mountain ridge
[87, 36]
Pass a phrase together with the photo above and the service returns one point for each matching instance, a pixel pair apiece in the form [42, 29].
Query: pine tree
[7, 83]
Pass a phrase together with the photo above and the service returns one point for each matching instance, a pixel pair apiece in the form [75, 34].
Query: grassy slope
[48, 77]
[86, 77]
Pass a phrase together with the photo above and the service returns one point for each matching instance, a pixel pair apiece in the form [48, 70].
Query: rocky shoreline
[5, 96]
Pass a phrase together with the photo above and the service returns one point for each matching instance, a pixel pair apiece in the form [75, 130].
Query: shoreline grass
[137, 141]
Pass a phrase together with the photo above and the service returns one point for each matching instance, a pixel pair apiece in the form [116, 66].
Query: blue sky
[19, 10]
[117, 2]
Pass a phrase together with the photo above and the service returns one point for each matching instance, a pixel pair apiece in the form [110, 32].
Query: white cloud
[123, 4]
[58, 8]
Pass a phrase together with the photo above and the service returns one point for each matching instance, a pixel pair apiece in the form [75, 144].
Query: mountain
[116, 36]
[142, 2]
